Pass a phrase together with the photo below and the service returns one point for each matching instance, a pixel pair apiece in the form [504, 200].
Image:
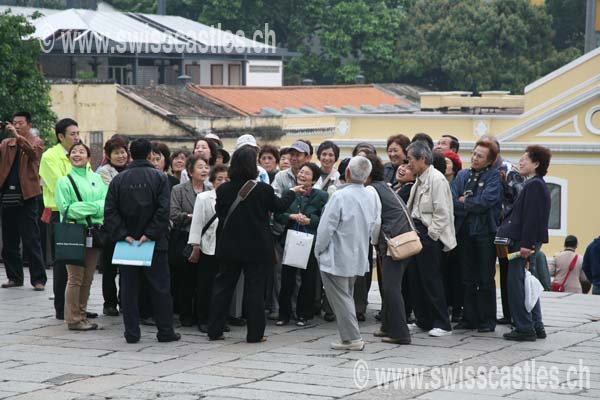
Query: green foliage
[22, 84]
[443, 44]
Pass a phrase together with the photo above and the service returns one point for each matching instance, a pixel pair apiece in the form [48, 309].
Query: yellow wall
[92, 106]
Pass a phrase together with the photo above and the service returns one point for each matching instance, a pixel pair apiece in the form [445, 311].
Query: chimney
[162, 7]
[359, 79]
[184, 80]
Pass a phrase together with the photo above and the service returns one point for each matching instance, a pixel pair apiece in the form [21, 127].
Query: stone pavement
[41, 359]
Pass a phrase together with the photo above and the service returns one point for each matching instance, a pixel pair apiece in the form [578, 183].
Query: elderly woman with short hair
[526, 227]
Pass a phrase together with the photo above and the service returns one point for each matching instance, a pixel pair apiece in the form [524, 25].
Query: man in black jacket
[137, 208]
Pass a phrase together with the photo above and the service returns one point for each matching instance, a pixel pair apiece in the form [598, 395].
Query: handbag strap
[88, 219]
[241, 196]
[410, 221]
[571, 267]
[208, 224]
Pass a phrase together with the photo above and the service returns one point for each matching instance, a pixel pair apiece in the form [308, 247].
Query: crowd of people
[222, 224]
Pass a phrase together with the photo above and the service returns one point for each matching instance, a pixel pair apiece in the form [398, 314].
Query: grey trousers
[340, 293]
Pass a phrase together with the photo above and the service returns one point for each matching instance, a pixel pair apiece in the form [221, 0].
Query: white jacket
[204, 209]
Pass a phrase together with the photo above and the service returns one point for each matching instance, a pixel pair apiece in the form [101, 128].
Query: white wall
[264, 78]
[205, 70]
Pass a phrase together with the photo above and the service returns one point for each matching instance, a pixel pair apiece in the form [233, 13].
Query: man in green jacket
[53, 166]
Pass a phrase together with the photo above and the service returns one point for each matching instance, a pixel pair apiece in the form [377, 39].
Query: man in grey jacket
[343, 235]
[432, 210]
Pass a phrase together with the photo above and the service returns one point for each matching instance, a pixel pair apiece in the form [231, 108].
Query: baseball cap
[300, 147]
[245, 140]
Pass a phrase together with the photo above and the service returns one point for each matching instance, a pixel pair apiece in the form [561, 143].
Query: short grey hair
[420, 149]
[360, 169]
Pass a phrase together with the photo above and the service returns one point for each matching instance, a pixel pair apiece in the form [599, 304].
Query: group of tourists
[224, 227]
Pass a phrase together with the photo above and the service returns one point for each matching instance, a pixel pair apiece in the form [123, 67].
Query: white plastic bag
[297, 248]
[533, 290]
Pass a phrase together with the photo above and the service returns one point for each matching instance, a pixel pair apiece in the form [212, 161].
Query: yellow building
[561, 111]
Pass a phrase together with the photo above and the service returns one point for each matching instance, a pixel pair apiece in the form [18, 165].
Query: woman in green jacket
[303, 215]
[93, 192]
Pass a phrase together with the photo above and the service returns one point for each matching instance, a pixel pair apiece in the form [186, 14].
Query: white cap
[213, 136]
[245, 140]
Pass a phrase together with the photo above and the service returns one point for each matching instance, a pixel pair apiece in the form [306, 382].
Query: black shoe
[463, 325]
[361, 317]
[540, 333]
[131, 339]
[520, 336]
[484, 329]
[170, 338]
[91, 315]
[503, 321]
[329, 317]
[110, 311]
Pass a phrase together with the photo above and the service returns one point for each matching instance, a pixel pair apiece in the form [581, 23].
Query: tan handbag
[406, 244]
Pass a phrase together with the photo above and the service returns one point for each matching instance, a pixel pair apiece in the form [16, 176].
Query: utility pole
[162, 7]
[590, 26]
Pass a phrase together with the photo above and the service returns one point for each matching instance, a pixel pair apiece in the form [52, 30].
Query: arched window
[557, 223]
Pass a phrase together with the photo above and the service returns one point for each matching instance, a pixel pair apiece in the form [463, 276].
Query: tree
[22, 84]
[477, 45]
[568, 22]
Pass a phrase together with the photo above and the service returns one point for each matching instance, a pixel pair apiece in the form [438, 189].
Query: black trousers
[478, 261]
[159, 288]
[306, 293]
[20, 225]
[503, 262]
[393, 310]
[255, 276]
[427, 286]
[453, 280]
[207, 268]
[109, 274]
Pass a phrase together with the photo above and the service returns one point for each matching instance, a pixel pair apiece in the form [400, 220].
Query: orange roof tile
[250, 100]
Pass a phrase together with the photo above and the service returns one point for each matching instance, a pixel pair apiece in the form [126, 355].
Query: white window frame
[564, 189]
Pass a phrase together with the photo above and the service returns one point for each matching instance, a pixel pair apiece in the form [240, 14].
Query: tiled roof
[253, 100]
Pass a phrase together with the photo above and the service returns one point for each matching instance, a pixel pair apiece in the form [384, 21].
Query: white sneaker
[438, 332]
[414, 328]
[354, 345]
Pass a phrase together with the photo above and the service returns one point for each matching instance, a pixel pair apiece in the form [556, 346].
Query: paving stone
[301, 388]
[100, 384]
[264, 365]
[244, 373]
[208, 380]
[46, 394]
[260, 394]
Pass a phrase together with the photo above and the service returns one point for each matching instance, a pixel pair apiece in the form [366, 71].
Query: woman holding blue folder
[80, 195]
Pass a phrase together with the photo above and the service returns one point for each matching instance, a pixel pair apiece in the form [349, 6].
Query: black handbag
[69, 241]
[95, 233]
[11, 197]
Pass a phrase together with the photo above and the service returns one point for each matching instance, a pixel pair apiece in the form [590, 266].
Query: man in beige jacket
[432, 210]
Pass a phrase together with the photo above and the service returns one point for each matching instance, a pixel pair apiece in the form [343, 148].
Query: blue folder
[132, 254]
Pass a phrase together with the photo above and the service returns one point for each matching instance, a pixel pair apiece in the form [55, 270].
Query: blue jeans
[595, 289]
